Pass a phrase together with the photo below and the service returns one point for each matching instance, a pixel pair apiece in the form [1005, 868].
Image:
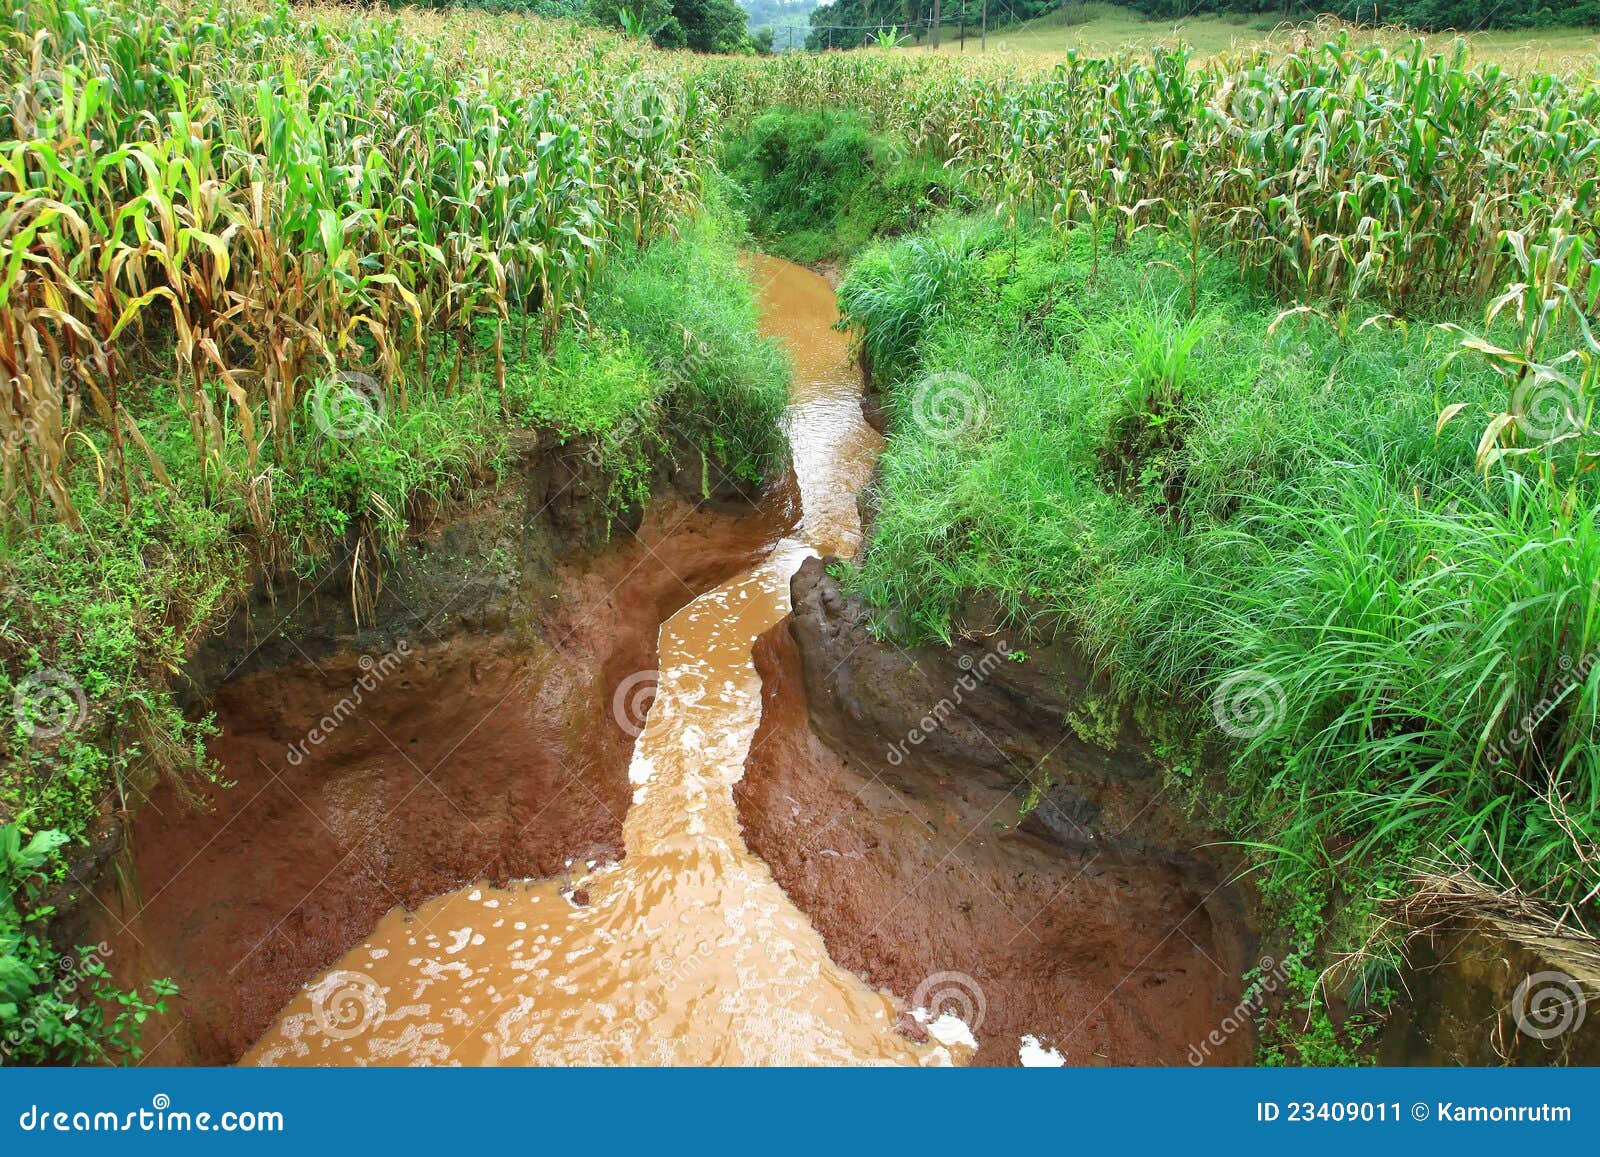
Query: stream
[686, 951]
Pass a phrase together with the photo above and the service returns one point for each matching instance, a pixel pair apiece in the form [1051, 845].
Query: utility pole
[983, 42]
[936, 25]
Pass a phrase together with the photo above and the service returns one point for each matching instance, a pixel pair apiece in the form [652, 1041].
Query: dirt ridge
[1089, 924]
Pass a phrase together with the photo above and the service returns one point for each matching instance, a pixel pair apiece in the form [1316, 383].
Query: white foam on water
[1038, 1056]
[949, 1029]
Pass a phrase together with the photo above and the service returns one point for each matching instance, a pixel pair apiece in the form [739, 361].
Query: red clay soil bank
[922, 869]
[479, 756]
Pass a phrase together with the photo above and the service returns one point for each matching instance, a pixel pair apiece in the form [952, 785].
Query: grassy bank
[101, 618]
[256, 317]
[1340, 564]
[1298, 582]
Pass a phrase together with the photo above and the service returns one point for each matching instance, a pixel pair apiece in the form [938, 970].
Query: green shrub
[819, 184]
[687, 305]
[57, 1009]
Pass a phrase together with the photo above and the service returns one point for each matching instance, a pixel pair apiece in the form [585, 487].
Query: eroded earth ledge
[478, 753]
[1088, 925]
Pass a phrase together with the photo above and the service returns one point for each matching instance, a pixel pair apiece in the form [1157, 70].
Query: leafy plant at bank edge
[1364, 641]
[53, 1008]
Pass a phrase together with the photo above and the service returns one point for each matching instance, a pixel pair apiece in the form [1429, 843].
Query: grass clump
[686, 304]
[818, 184]
[1261, 534]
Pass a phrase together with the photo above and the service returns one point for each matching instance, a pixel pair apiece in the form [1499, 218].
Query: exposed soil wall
[461, 732]
[1481, 990]
[1088, 925]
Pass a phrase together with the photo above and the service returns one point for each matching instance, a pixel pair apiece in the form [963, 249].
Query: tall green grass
[1262, 541]
[818, 184]
[687, 304]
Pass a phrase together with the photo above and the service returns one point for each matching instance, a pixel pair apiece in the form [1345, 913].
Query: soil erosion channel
[687, 951]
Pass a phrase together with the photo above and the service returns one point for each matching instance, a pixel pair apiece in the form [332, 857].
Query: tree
[860, 18]
[712, 25]
[703, 25]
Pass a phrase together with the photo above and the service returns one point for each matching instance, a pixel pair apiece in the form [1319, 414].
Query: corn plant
[1330, 171]
[248, 203]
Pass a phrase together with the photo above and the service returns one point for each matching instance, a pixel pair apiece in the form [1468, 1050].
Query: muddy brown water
[686, 951]
[529, 850]
[925, 879]
[482, 757]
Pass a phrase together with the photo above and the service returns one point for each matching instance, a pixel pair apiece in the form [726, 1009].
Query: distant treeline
[851, 23]
[767, 12]
[553, 9]
[1425, 15]
[700, 25]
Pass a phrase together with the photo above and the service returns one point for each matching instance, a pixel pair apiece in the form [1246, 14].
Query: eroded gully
[686, 951]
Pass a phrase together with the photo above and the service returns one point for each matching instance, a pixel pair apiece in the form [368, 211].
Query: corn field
[259, 207]
[1329, 172]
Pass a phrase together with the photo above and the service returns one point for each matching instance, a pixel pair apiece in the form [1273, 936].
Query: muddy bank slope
[1088, 924]
[461, 731]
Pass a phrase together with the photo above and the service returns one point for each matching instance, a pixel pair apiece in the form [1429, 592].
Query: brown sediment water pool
[686, 951]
